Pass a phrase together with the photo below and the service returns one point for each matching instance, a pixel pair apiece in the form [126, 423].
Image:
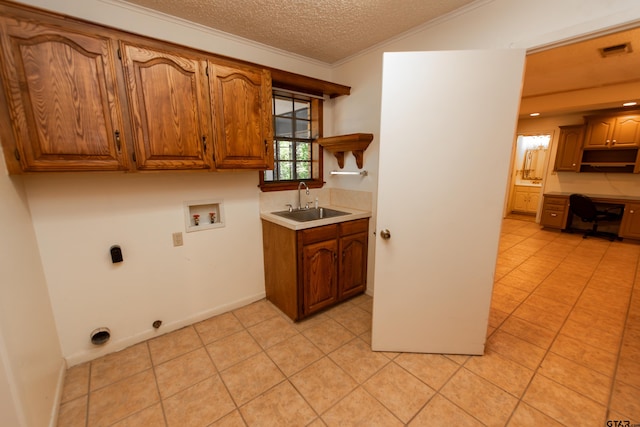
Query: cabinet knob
[631, 211]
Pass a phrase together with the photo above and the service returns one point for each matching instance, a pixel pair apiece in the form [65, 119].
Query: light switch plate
[177, 239]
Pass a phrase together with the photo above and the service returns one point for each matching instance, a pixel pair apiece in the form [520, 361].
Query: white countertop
[297, 225]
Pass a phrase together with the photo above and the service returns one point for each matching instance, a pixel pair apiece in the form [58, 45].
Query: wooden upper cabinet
[620, 131]
[169, 108]
[569, 150]
[60, 89]
[627, 130]
[241, 104]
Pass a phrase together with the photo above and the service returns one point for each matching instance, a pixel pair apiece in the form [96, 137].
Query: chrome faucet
[306, 192]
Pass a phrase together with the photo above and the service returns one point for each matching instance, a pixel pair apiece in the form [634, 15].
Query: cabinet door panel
[569, 148]
[520, 200]
[627, 131]
[319, 269]
[169, 105]
[353, 265]
[630, 225]
[599, 133]
[61, 90]
[241, 101]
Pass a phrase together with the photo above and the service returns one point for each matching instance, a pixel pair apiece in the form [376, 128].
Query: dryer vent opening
[100, 336]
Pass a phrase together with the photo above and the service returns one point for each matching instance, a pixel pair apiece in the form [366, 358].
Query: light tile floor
[563, 349]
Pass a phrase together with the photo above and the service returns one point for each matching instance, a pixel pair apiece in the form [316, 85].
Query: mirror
[533, 167]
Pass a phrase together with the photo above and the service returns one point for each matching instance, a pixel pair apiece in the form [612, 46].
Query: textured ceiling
[325, 30]
[332, 30]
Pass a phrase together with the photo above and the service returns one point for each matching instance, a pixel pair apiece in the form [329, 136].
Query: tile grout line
[155, 379]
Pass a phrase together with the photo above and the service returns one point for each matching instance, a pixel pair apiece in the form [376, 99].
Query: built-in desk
[556, 213]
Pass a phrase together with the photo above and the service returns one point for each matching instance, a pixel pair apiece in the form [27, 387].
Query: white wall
[30, 358]
[78, 217]
[483, 25]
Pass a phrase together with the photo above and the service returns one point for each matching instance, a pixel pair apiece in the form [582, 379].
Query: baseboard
[57, 398]
[88, 355]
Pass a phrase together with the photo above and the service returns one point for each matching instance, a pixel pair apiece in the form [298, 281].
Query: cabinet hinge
[16, 153]
[133, 157]
[119, 54]
[206, 70]
[117, 136]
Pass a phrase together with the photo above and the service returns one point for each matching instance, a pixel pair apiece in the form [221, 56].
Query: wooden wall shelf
[355, 142]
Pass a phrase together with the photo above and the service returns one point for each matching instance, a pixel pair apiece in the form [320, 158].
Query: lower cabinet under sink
[314, 268]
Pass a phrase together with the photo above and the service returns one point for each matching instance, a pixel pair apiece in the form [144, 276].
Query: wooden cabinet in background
[241, 100]
[619, 131]
[169, 108]
[555, 212]
[526, 199]
[569, 150]
[311, 269]
[630, 224]
[61, 93]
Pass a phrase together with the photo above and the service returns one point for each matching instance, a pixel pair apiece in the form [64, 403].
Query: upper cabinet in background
[613, 131]
[169, 108]
[607, 142]
[569, 148]
[61, 92]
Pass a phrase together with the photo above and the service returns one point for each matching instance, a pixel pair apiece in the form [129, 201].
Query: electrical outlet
[177, 239]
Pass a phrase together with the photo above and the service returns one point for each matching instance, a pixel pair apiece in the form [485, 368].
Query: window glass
[296, 126]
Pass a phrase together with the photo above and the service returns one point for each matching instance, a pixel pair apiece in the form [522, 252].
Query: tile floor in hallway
[563, 348]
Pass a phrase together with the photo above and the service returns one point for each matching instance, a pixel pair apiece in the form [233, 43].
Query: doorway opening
[529, 169]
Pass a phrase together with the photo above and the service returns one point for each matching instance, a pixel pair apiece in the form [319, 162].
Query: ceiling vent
[616, 49]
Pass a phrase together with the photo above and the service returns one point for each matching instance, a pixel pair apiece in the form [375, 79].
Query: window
[297, 157]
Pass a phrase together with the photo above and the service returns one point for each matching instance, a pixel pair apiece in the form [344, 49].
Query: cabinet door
[520, 199]
[569, 149]
[169, 108]
[61, 92]
[353, 265]
[627, 131]
[533, 201]
[630, 225]
[241, 100]
[319, 270]
[599, 131]
[554, 212]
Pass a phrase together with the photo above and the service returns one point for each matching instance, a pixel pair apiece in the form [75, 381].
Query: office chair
[583, 207]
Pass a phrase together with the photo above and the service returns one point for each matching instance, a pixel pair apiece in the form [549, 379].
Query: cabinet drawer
[319, 234]
[553, 218]
[555, 201]
[551, 207]
[353, 227]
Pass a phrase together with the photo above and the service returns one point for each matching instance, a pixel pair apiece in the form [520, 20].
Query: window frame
[316, 132]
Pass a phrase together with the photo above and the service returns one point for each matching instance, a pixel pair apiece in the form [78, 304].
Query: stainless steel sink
[303, 215]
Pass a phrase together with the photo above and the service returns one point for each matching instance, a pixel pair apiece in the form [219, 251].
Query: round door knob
[385, 234]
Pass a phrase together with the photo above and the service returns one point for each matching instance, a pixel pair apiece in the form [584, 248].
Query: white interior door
[447, 127]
